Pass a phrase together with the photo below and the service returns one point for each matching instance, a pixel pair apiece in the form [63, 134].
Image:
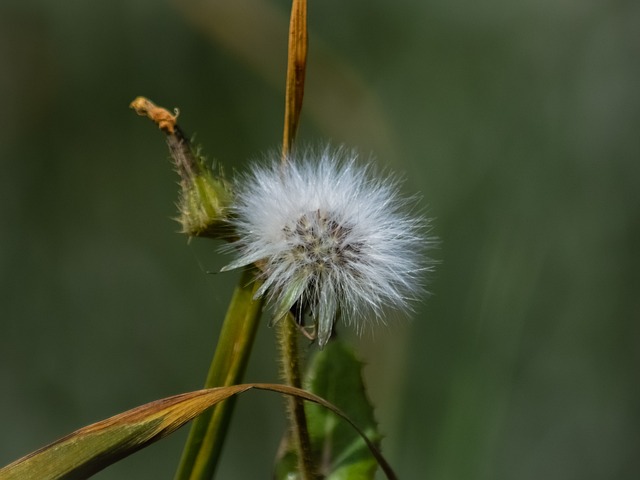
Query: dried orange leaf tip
[160, 116]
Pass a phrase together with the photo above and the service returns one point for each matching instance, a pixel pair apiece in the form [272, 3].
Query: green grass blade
[206, 438]
[92, 448]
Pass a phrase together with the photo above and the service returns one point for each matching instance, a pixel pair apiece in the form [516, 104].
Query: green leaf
[290, 296]
[93, 448]
[339, 452]
[206, 438]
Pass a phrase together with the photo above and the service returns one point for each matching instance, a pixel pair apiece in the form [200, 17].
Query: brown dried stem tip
[296, 68]
[160, 116]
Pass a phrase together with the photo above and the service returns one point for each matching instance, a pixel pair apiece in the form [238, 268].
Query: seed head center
[319, 240]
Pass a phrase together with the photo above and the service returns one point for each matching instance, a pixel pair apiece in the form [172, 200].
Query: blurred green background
[518, 123]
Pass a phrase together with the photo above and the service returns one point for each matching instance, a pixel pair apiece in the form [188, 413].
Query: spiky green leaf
[339, 452]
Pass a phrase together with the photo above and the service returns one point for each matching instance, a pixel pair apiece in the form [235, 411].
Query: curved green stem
[206, 437]
[290, 364]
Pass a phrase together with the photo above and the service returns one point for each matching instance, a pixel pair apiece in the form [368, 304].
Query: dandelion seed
[331, 238]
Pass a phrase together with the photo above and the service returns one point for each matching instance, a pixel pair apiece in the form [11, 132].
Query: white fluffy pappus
[330, 236]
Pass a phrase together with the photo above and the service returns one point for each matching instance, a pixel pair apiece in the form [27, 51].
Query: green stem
[290, 360]
[206, 437]
[287, 332]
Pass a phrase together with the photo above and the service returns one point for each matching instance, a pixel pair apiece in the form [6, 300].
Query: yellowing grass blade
[92, 448]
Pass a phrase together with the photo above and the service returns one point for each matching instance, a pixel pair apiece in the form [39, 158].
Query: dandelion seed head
[331, 236]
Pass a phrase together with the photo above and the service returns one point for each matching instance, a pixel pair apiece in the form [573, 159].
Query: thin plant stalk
[290, 370]
[206, 437]
[287, 331]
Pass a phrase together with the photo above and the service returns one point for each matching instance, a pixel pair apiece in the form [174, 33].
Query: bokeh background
[518, 123]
